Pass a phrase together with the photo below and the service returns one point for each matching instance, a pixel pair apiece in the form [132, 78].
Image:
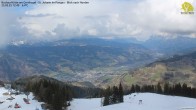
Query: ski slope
[150, 101]
[18, 99]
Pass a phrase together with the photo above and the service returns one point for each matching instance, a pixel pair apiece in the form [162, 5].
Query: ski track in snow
[150, 101]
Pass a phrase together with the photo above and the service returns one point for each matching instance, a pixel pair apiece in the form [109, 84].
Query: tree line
[166, 89]
[55, 95]
[113, 95]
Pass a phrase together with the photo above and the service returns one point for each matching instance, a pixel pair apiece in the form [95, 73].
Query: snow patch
[19, 100]
[150, 101]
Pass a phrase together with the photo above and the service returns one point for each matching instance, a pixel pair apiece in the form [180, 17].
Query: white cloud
[110, 18]
[10, 29]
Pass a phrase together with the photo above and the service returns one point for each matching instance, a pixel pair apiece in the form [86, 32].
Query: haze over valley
[94, 60]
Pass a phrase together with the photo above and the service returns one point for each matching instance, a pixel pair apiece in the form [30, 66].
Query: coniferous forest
[166, 89]
[113, 95]
[55, 94]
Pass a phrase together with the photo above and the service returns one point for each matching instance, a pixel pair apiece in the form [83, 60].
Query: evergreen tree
[137, 88]
[177, 89]
[166, 89]
[51, 93]
[114, 95]
[185, 90]
[106, 97]
[132, 89]
[120, 90]
[106, 100]
[57, 103]
[159, 89]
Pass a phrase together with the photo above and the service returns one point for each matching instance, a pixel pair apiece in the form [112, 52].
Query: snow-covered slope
[150, 101]
[19, 100]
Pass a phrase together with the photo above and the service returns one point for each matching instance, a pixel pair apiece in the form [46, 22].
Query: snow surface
[150, 101]
[18, 99]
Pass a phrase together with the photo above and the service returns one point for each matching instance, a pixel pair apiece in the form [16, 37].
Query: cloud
[3, 28]
[62, 30]
[105, 18]
[10, 27]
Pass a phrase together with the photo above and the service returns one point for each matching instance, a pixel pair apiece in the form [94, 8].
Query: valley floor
[150, 101]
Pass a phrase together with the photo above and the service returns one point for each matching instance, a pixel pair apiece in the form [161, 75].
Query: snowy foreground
[150, 101]
[19, 100]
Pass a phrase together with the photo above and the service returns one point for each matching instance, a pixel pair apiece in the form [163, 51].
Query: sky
[108, 19]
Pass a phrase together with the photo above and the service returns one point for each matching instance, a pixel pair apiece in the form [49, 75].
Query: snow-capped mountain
[17, 43]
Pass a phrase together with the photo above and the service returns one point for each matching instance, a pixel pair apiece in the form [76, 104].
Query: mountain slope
[76, 91]
[178, 69]
[12, 67]
[171, 46]
[73, 60]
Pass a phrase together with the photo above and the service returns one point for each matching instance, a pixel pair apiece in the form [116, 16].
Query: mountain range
[96, 61]
[171, 46]
[177, 69]
[73, 60]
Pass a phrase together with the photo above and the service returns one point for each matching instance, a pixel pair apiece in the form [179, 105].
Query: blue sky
[100, 18]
